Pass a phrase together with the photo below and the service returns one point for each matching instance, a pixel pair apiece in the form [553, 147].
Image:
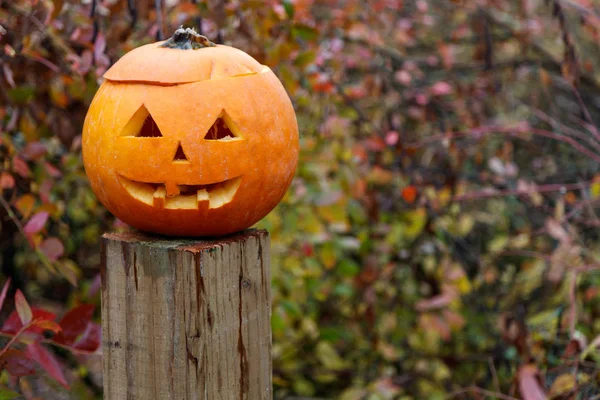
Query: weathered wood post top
[186, 319]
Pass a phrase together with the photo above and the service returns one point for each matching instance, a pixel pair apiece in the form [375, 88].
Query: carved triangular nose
[179, 154]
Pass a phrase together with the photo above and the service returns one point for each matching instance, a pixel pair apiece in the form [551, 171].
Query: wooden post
[186, 319]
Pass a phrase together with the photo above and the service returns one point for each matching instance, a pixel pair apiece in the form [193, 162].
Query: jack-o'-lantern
[189, 138]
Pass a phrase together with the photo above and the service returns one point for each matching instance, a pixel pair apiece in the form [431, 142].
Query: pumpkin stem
[187, 39]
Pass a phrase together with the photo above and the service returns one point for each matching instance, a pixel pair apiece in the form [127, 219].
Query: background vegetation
[440, 239]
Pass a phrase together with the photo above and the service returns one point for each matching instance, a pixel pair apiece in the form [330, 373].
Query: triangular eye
[223, 129]
[149, 129]
[141, 125]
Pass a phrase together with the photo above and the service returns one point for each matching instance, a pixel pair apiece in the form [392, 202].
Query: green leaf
[348, 267]
[7, 394]
[305, 58]
[21, 94]
[305, 32]
[289, 8]
[329, 357]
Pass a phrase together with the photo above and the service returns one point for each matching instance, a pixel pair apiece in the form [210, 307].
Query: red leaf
[36, 223]
[45, 189]
[13, 323]
[21, 167]
[52, 170]
[16, 363]
[3, 294]
[7, 181]
[528, 384]
[23, 309]
[409, 194]
[33, 151]
[74, 323]
[90, 339]
[47, 361]
[52, 248]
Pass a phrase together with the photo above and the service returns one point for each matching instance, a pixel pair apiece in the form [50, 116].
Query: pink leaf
[53, 248]
[528, 384]
[47, 361]
[74, 323]
[99, 46]
[23, 309]
[33, 151]
[555, 230]
[3, 294]
[441, 89]
[36, 223]
[435, 302]
[8, 74]
[95, 286]
[16, 363]
[391, 138]
[13, 322]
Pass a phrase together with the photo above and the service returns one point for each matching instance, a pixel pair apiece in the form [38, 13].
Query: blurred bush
[440, 237]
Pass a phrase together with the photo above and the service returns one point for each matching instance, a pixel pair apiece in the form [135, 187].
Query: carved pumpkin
[189, 138]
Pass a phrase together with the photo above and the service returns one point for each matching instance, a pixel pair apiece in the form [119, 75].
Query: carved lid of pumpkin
[184, 58]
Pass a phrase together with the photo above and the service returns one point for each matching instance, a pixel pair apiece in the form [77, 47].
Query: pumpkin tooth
[202, 195]
[159, 197]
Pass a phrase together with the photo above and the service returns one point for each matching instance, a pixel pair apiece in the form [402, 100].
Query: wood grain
[186, 319]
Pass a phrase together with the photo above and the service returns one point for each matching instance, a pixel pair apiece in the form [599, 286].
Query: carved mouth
[182, 197]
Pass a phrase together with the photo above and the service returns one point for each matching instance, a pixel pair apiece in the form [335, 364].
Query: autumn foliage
[440, 237]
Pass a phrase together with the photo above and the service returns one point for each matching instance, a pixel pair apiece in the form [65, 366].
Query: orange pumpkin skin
[215, 187]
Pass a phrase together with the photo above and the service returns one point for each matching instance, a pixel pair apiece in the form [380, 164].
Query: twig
[586, 113]
[159, 33]
[95, 21]
[557, 125]
[494, 374]
[514, 131]
[132, 13]
[17, 223]
[476, 389]
[586, 79]
[14, 338]
[554, 187]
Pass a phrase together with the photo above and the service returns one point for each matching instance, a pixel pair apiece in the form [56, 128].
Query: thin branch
[494, 374]
[481, 391]
[132, 13]
[559, 126]
[19, 226]
[159, 20]
[14, 338]
[579, 8]
[512, 131]
[485, 194]
[591, 126]
[586, 79]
